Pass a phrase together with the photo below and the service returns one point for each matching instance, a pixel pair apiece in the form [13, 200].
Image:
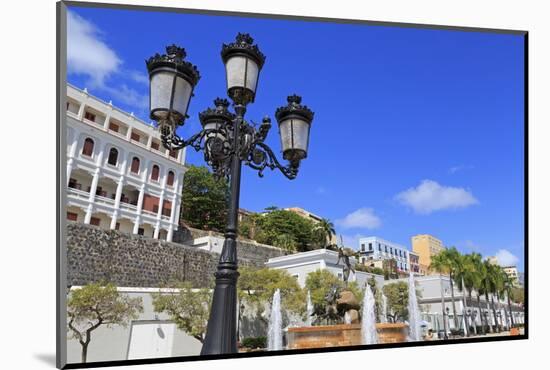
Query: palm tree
[492, 287]
[464, 276]
[327, 228]
[453, 256]
[440, 264]
[484, 290]
[474, 281]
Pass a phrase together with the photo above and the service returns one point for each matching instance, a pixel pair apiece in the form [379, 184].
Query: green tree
[189, 308]
[277, 222]
[319, 282]
[204, 199]
[286, 242]
[98, 304]
[397, 295]
[257, 286]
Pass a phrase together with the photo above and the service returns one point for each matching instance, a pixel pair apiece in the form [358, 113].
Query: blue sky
[415, 130]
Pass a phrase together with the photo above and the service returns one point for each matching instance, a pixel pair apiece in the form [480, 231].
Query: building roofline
[120, 110]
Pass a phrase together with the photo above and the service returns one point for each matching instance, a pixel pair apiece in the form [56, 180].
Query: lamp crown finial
[244, 38]
[221, 103]
[294, 99]
[175, 52]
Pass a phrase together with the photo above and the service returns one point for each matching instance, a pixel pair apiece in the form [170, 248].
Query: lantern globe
[243, 61]
[171, 83]
[294, 122]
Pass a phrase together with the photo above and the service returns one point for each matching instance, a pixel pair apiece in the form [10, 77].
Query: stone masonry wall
[129, 260]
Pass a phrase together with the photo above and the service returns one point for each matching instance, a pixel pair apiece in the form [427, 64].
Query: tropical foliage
[470, 273]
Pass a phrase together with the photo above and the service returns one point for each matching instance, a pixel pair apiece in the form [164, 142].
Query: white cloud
[430, 196]
[139, 77]
[129, 96]
[87, 54]
[506, 258]
[361, 218]
[352, 241]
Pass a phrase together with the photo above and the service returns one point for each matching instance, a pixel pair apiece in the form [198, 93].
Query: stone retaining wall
[94, 254]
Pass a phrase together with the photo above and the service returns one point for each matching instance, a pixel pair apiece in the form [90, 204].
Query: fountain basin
[342, 335]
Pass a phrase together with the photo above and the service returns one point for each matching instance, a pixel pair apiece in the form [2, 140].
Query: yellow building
[426, 246]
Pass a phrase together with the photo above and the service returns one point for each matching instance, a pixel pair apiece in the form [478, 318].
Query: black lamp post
[227, 140]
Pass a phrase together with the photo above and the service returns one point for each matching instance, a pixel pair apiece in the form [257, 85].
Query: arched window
[155, 173]
[88, 147]
[113, 157]
[170, 179]
[135, 165]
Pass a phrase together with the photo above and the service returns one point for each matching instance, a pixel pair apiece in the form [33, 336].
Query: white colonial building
[375, 248]
[119, 176]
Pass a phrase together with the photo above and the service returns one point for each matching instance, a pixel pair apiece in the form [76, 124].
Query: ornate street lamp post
[226, 140]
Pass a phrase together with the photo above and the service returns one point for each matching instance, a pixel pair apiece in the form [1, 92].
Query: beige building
[512, 273]
[426, 246]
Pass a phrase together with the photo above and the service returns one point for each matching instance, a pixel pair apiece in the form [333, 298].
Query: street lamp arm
[261, 157]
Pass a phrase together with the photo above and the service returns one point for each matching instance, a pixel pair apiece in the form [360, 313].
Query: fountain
[309, 309]
[414, 312]
[368, 324]
[275, 328]
[341, 306]
[383, 317]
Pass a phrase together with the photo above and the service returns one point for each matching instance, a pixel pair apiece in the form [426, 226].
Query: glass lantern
[243, 62]
[294, 125]
[171, 84]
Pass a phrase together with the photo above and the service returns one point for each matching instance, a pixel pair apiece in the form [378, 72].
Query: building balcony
[76, 192]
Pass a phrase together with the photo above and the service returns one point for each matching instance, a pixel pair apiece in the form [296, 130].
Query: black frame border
[61, 67]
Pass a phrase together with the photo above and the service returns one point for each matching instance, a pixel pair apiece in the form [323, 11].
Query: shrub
[254, 342]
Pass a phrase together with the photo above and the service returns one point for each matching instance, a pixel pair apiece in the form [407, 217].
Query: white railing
[92, 123]
[128, 206]
[78, 193]
[104, 200]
